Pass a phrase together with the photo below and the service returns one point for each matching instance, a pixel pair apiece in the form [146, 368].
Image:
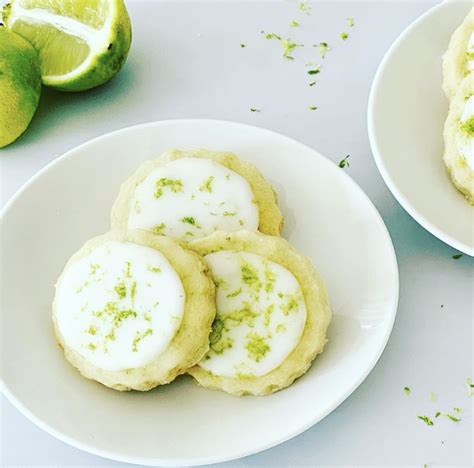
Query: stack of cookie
[193, 277]
[458, 66]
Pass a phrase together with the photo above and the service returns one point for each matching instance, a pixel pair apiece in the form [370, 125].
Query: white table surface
[186, 61]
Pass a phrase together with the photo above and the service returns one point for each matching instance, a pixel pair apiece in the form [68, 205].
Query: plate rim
[376, 153]
[116, 456]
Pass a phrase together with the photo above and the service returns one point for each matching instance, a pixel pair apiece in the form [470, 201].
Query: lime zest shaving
[344, 162]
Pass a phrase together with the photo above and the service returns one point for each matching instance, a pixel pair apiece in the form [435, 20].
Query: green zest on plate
[469, 386]
[305, 7]
[288, 44]
[323, 48]
[426, 420]
[313, 71]
[344, 162]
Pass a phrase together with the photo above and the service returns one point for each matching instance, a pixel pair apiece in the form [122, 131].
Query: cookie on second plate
[458, 61]
[459, 139]
[133, 310]
[272, 314]
[191, 194]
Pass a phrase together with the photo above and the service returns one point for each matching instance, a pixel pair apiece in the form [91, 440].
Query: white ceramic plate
[407, 111]
[327, 216]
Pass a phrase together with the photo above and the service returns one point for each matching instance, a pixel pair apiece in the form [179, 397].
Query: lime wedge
[81, 43]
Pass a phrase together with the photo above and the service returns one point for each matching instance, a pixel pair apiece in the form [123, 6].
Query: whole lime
[20, 85]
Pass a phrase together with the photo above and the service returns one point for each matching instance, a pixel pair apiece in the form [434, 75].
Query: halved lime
[81, 43]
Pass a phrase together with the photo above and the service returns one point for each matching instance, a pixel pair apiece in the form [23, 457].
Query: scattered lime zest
[128, 266]
[121, 290]
[453, 418]
[250, 276]
[407, 390]
[291, 305]
[267, 314]
[256, 346]
[190, 220]
[305, 7]
[426, 420]
[288, 44]
[206, 186]
[158, 229]
[111, 335]
[139, 337]
[235, 293]
[323, 48]
[469, 387]
[270, 279]
[175, 186]
[344, 162]
[468, 126]
[245, 314]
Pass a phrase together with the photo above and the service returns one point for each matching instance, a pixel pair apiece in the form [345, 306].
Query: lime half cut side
[81, 43]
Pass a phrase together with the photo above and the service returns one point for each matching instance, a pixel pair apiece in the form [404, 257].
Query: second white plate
[328, 217]
[407, 111]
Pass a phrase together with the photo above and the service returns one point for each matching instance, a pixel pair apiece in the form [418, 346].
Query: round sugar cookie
[458, 61]
[191, 194]
[459, 139]
[133, 310]
[272, 314]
